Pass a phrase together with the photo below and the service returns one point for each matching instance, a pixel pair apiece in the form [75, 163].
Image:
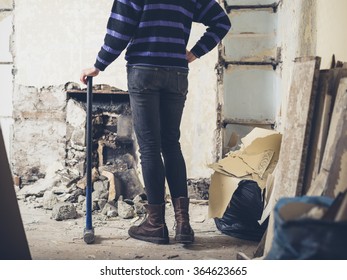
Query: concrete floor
[63, 240]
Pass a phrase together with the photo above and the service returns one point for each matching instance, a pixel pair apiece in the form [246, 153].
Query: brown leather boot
[153, 228]
[184, 232]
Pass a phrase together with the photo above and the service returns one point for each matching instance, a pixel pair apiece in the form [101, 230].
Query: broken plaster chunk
[97, 195]
[49, 200]
[125, 210]
[110, 209]
[100, 186]
[112, 213]
[101, 203]
[78, 137]
[81, 199]
[139, 208]
[64, 211]
[75, 114]
[39, 187]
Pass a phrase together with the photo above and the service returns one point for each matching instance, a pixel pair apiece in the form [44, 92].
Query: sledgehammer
[88, 234]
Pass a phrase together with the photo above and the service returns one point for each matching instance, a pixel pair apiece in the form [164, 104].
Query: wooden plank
[13, 242]
[323, 135]
[291, 166]
[335, 77]
[335, 158]
[288, 181]
[333, 173]
[313, 157]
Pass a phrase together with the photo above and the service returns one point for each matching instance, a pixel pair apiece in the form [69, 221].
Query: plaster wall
[6, 79]
[296, 37]
[55, 40]
[331, 37]
[198, 130]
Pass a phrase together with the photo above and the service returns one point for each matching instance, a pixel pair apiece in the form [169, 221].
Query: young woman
[155, 34]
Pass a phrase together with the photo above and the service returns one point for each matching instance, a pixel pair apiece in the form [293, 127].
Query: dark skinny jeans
[157, 98]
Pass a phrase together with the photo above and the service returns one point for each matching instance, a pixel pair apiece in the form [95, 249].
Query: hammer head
[88, 236]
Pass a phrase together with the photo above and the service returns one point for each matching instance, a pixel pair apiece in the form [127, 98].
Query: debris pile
[70, 202]
[115, 178]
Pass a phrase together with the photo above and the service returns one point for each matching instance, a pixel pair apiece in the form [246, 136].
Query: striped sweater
[156, 32]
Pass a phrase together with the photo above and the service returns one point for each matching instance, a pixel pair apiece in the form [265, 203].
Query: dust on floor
[63, 240]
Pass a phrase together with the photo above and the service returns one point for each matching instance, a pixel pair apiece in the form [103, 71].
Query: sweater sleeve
[212, 15]
[121, 26]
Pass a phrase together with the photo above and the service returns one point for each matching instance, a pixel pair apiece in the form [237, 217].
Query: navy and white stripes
[156, 32]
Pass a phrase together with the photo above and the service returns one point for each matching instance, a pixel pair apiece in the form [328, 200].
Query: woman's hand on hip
[190, 56]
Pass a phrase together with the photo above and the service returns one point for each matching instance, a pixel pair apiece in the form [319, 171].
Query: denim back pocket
[141, 79]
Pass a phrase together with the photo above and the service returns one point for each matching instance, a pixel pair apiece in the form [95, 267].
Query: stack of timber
[313, 155]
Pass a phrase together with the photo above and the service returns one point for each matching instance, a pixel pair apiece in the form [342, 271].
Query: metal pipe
[89, 152]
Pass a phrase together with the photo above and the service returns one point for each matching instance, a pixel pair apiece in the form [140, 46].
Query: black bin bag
[297, 236]
[240, 220]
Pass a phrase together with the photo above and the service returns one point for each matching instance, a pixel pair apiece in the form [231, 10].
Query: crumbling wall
[39, 131]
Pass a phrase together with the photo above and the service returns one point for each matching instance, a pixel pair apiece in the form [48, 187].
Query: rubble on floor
[65, 201]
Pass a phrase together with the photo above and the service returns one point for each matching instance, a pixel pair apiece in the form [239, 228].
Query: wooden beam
[291, 166]
[333, 173]
[288, 181]
[335, 76]
[313, 157]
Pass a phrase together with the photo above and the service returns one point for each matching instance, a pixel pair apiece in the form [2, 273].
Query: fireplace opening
[113, 144]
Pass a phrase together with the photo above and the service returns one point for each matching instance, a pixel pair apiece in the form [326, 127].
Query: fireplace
[114, 144]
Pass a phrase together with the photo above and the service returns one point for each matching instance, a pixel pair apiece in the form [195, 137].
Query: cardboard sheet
[256, 133]
[260, 149]
[235, 166]
[220, 192]
[270, 142]
[258, 162]
[255, 160]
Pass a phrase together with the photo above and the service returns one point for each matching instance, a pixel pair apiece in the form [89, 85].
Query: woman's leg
[145, 103]
[171, 108]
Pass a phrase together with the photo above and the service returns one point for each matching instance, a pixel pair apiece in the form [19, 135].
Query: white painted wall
[55, 40]
[331, 34]
[200, 117]
[6, 85]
